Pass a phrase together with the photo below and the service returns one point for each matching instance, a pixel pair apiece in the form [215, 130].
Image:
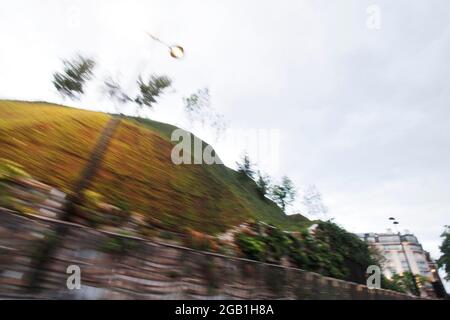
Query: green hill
[53, 144]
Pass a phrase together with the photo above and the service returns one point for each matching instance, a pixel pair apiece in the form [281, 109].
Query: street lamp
[176, 51]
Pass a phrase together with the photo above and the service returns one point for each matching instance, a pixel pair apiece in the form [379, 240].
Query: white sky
[361, 113]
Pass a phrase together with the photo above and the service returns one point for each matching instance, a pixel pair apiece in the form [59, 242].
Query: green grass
[53, 144]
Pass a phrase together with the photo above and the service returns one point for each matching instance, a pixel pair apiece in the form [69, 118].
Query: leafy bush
[444, 260]
[330, 251]
[391, 285]
[277, 244]
[119, 245]
[406, 282]
[251, 246]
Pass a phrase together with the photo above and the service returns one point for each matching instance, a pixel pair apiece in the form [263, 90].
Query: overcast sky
[358, 106]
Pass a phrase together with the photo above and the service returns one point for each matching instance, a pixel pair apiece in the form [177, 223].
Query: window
[389, 239]
[410, 239]
[402, 256]
[391, 247]
[415, 247]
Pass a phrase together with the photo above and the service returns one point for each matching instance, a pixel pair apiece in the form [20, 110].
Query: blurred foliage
[254, 247]
[114, 91]
[119, 245]
[405, 282]
[197, 107]
[196, 104]
[444, 260]
[263, 182]
[245, 167]
[151, 89]
[284, 193]
[70, 82]
[325, 252]
[347, 244]
[391, 285]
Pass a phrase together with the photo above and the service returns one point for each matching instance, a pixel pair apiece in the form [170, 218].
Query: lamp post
[395, 223]
[175, 51]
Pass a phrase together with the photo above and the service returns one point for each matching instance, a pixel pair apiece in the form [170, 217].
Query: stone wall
[121, 267]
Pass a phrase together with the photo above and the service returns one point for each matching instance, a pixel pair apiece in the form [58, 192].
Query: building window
[411, 239]
[389, 239]
[415, 247]
[391, 247]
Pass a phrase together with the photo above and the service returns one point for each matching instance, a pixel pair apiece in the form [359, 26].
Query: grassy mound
[53, 144]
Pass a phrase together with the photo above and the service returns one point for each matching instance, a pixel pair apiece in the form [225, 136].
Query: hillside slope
[53, 144]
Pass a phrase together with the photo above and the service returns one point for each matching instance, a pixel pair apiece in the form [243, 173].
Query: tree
[263, 183]
[196, 104]
[246, 167]
[284, 194]
[444, 260]
[114, 92]
[198, 108]
[406, 282]
[150, 90]
[377, 256]
[390, 284]
[312, 200]
[71, 81]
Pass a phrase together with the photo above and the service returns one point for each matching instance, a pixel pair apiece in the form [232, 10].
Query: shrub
[118, 245]
[332, 251]
[251, 246]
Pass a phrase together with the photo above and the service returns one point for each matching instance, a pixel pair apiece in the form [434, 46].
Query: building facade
[404, 253]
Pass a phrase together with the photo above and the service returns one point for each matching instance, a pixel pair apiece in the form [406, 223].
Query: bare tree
[198, 108]
[196, 104]
[115, 93]
[312, 200]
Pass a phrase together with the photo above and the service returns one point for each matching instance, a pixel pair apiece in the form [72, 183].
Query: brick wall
[149, 270]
